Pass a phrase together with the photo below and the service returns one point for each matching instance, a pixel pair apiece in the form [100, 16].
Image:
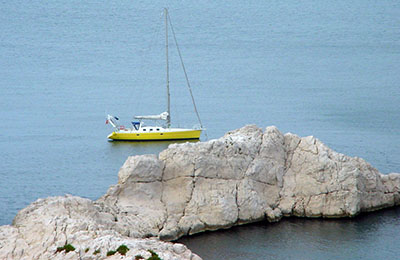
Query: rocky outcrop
[246, 176]
[46, 225]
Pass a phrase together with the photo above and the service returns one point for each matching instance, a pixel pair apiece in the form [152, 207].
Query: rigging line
[184, 70]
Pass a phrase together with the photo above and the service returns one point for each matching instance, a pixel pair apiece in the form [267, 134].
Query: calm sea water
[309, 67]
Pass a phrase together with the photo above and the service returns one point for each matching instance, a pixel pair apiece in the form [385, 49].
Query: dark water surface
[328, 69]
[371, 236]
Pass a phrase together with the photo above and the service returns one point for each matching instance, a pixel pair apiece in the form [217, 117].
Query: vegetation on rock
[111, 252]
[153, 256]
[67, 248]
[122, 249]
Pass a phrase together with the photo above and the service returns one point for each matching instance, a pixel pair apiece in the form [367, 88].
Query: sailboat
[141, 132]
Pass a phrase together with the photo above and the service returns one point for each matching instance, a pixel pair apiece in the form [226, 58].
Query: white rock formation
[47, 224]
[247, 175]
[243, 177]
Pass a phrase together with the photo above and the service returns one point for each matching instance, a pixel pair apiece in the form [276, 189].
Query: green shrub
[111, 252]
[87, 250]
[96, 251]
[138, 257]
[153, 256]
[67, 248]
[122, 249]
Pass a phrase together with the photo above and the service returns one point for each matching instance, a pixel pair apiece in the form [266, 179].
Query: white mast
[166, 55]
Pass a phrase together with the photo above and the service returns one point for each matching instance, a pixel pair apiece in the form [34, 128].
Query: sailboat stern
[183, 135]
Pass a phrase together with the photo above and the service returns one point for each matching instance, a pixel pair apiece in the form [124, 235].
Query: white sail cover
[162, 116]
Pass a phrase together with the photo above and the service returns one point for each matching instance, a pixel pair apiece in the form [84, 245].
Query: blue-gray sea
[325, 68]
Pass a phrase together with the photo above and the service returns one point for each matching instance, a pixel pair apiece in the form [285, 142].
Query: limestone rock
[245, 176]
[48, 224]
[320, 182]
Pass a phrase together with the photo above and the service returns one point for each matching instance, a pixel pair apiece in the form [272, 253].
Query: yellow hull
[155, 136]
